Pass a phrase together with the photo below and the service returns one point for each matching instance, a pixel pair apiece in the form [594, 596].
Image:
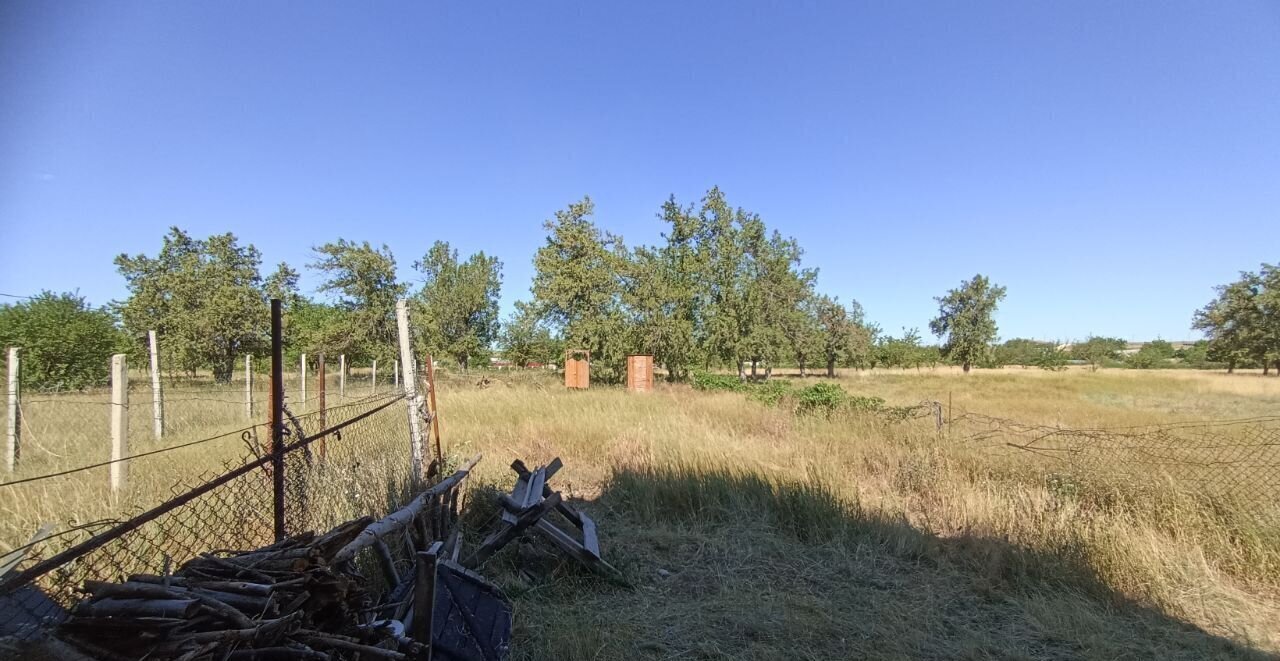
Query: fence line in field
[171, 413]
[1234, 460]
[227, 510]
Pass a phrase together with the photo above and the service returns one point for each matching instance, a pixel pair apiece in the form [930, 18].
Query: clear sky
[1109, 162]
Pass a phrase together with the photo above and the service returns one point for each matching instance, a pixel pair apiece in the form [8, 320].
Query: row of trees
[721, 289]
[209, 301]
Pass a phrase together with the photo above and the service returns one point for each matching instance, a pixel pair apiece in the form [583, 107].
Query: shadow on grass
[736, 566]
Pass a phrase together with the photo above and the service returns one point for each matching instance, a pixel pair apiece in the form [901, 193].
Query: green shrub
[770, 392]
[865, 404]
[823, 398]
[709, 381]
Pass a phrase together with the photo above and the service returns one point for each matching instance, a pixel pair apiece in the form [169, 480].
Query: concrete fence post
[412, 399]
[303, 403]
[13, 431]
[248, 387]
[157, 398]
[119, 423]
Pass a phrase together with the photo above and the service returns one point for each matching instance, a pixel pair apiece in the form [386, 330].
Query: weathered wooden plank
[552, 468]
[571, 546]
[590, 541]
[501, 537]
[424, 599]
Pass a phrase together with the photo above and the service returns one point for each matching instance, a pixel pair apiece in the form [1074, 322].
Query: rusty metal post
[275, 420]
[435, 411]
[320, 379]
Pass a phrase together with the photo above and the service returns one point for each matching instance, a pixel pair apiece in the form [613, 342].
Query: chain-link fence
[1233, 463]
[349, 461]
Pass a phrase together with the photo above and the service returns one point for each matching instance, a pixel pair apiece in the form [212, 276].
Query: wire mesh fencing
[348, 461]
[1233, 464]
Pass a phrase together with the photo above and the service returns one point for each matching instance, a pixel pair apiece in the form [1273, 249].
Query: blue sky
[1109, 162]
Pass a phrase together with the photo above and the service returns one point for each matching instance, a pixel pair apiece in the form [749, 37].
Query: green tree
[1242, 323]
[901, 352]
[65, 342]
[1151, 355]
[726, 318]
[363, 280]
[1020, 351]
[457, 307]
[524, 339]
[1098, 351]
[843, 336]
[804, 335]
[1050, 358]
[203, 297]
[966, 317]
[577, 287]
[835, 332]
[1195, 356]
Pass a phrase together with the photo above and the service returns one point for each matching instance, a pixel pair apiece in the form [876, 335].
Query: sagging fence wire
[1233, 460]
[246, 434]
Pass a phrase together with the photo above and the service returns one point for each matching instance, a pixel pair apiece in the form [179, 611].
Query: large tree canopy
[577, 287]
[363, 280]
[966, 318]
[204, 297]
[457, 308]
[1243, 322]
[65, 343]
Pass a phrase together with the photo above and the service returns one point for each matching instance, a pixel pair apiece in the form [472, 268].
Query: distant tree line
[721, 290]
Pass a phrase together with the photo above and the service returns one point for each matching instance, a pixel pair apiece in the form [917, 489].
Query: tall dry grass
[748, 532]
[1007, 559]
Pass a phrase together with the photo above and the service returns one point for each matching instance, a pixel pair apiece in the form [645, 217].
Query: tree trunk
[965, 366]
[1266, 368]
[1231, 367]
[742, 375]
[753, 368]
[768, 371]
[831, 368]
[465, 361]
[222, 369]
[802, 374]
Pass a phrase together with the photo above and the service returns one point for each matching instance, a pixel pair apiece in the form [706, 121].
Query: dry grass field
[749, 532]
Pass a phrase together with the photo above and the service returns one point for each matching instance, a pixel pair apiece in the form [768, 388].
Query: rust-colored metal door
[577, 369]
[639, 373]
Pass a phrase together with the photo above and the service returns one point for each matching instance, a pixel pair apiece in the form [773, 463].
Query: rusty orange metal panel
[640, 373]
[577, 369]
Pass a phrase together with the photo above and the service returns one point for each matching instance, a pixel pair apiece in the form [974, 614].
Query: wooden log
[402, 518]
[292, 653]
[333, 641]
[112, 607]
[145, 592]
[385, 563]
[424, 599]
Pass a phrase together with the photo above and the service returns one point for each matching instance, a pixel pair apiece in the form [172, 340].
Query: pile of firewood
[290, 600]
[300, 598]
